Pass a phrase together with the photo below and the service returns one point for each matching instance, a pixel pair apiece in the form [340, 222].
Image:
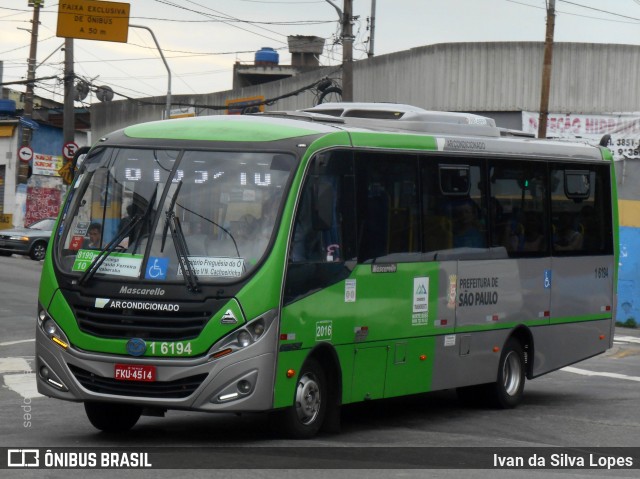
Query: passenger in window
[466, 228]
[567, 237]
[94, 233]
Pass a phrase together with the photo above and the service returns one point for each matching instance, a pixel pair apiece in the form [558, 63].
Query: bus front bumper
[240, 382]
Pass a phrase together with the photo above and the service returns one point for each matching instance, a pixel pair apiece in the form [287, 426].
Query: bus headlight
[243, 337]
[51, 328]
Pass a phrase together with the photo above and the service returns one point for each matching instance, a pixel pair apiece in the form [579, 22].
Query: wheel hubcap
[308, 399]
[512, 373]
[39, 251]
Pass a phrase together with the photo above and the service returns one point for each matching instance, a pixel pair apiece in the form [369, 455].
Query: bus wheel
[507, 391]
[304, 419]
[111, 417]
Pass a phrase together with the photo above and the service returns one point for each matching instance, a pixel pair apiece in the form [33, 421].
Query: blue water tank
[267, 56]
[7, 107]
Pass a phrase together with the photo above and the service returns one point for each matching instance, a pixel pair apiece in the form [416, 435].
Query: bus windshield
[172, 215]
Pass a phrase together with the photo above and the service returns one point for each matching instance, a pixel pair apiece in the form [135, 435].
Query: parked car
[31, 240]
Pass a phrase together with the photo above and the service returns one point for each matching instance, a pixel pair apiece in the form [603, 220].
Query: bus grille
[141, 324]
[180, 388]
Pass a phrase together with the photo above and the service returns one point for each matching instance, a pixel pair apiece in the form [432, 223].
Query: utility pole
[31, 70]
[347, 52]
[27, 133]
[68, 112]
[372, 28]
[546, 70]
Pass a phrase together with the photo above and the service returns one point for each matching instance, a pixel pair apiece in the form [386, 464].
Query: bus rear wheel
[507, 391]
[304, 419]
[112, 417]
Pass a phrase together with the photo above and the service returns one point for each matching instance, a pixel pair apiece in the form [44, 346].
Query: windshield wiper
[107, 250]
[170, 209]
[182, 251]
[235, 244]
[172, 223]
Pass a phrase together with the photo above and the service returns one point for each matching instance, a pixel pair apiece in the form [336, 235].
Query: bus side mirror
[322, 206]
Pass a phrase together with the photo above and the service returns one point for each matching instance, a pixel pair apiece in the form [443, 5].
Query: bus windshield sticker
[117, 264]
[157, 268]
[350, 291]
[216, 266]
[81, 228]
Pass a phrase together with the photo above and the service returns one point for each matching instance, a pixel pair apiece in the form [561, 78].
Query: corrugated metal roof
[504, 76]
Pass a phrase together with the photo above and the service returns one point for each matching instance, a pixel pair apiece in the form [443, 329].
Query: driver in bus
[94, 234]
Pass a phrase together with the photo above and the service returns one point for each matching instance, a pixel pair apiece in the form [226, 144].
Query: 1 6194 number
[171, 349]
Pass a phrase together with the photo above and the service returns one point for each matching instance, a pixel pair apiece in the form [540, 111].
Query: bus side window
[518, 208]
[306, 242]
[581, 224]
[454, 204]
[387, 206]
[323, 237]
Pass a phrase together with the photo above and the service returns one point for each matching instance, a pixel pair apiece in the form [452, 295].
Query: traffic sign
[93, 20]
[69, 150]
[66, 173]
[25, 153]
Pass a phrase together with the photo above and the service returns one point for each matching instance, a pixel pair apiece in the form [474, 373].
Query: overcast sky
[201, 49]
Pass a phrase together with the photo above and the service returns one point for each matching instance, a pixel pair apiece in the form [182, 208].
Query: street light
[168, 105]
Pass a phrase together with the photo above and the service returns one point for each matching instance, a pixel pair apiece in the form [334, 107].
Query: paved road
[591, 404]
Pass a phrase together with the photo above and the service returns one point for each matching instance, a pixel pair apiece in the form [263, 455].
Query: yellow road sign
[66, 172]
[93, 20]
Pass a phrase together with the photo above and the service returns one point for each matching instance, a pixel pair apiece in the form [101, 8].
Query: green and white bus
[294, 262]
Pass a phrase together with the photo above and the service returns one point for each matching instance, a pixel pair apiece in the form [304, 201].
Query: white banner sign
[119, 264]
[624, 130]
[214, 266]
[47, 165]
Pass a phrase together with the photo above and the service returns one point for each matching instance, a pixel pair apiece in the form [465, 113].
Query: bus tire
[507, 391]
[112, 417]
[304, 419]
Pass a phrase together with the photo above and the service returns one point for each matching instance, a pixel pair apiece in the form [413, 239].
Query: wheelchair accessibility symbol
[157, 268]
[547, 278]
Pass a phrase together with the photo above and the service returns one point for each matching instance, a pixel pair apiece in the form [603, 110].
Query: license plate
[135, 372]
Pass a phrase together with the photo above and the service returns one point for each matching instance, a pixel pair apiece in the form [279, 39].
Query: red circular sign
[25, 153]
[69, 149]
